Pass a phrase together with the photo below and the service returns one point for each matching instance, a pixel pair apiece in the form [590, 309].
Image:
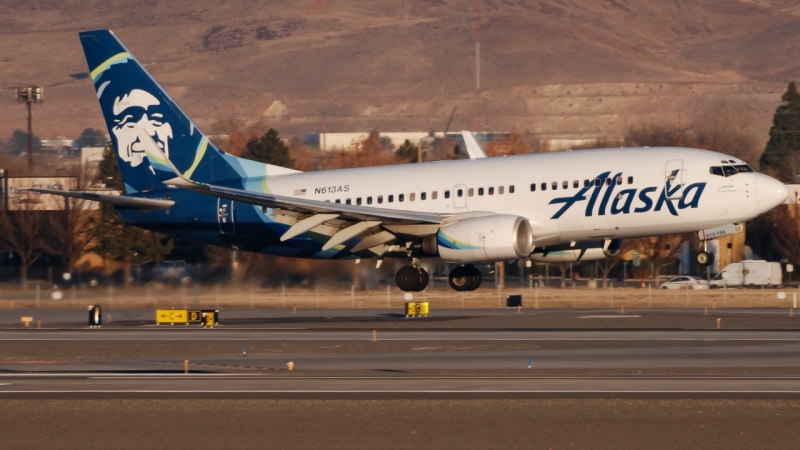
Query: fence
[387, 297]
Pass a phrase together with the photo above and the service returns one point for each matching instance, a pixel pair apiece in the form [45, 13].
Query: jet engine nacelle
[487, 238]
[581, 251]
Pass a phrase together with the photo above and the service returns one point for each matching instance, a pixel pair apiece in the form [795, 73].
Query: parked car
[684, 282]
[173, 271]
[749, 273]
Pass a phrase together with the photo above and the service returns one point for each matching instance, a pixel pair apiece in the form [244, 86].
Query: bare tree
[786, 232]
[69, 231]
[24, 232]
[661, 250]
[606, 265]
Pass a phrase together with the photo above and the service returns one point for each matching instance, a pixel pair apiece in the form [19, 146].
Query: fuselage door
[460, 196]
[675, 178]
[225, 216]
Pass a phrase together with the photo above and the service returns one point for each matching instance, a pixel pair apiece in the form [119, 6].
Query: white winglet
[475, 151]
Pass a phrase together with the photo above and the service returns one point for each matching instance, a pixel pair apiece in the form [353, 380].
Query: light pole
[30, 95]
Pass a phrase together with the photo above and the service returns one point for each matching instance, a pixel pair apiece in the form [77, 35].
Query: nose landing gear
[465, 278]
[704, 257]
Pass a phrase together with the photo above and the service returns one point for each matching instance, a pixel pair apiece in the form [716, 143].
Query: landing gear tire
[460, 279]
[407, 279]
[704, 258]
[465, 278]
[475, 278]
[423, 280]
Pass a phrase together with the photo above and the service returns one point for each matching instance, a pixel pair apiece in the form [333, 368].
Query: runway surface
[338, 363]
[473, 380]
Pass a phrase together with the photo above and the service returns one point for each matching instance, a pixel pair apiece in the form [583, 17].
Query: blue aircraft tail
[139, 113]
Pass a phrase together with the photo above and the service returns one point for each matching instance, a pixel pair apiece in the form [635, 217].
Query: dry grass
[227, 297]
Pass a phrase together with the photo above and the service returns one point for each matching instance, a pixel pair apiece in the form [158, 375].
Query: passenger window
[564, 184]
[480, 191]
[423, 196]
[338, 200]
[630, 180]
[347, 201]
[729, 171]
[401, 197]
[575, 184]
[411, 197]
[586, 183]
[447, 194]
[460, 192]
[470, 192]
[358, 201]
[380, 199]
[619, 181]
[554, 185]
[544, 186]
[597, 182]
[369, 200]
[511, 189]
[608, 181]
[533, 187]
[500, 190]
[434, 195]
[491, 191]
[391, 199]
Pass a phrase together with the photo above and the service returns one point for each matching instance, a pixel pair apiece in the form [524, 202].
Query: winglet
[475, 151]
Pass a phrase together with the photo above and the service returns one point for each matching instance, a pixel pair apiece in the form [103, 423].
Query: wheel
[704, 258]
[475, 277]
[407, 278]
[460, 279]
[664, 287]
[423, 280]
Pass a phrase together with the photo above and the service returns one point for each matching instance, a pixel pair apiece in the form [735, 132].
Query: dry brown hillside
[560, 68]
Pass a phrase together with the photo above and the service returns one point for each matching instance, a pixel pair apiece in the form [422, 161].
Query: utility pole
[30, 95]
[478, 122]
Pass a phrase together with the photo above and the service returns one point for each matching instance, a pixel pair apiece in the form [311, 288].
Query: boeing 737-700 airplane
[557, 207]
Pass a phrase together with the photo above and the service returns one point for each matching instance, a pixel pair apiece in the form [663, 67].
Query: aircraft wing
[375, 226]
[344, 211]
[146, 204]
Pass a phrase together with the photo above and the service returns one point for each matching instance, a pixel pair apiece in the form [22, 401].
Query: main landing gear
[412, 278]
[465, 278]
[704, 257]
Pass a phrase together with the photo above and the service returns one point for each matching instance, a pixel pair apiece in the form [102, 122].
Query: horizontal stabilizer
[122, 201]
[475, 151]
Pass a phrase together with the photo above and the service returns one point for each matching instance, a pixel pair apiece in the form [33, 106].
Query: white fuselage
[695, 198]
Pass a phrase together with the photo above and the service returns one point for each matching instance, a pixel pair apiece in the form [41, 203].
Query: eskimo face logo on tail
[138, 115]
[623, 199]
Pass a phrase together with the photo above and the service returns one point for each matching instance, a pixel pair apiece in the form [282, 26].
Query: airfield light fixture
[30, 95]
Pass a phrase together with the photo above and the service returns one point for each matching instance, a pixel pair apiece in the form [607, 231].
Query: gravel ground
[400, 424]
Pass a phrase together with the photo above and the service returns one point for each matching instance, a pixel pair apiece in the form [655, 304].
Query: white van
[749, 273]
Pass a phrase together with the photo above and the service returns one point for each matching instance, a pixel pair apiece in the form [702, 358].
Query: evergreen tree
[269, 149]
[92, 138]
[407, 152]
[19, 142]
[112, 238]
[782, 155]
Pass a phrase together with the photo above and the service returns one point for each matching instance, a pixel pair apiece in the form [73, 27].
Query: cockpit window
[728, 171]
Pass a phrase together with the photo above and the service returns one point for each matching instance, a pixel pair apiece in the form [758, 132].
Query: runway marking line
[372, 391]
[609, 316]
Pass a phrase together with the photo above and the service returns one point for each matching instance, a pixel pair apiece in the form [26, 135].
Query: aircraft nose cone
[770, 192]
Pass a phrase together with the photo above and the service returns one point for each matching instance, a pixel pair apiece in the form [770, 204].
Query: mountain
[559, 68]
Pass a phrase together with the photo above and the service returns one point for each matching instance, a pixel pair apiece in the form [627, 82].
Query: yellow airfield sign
[178, 316]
